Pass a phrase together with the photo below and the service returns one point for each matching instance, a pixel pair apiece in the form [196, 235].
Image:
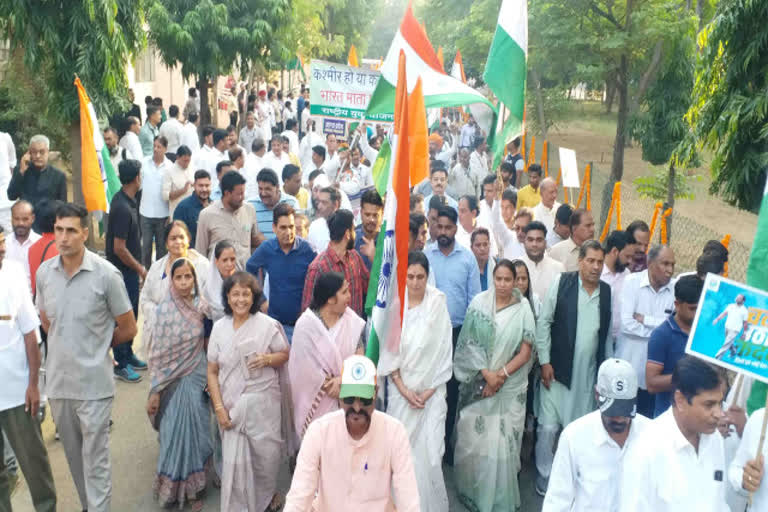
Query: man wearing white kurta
[735, 315]
[647, 299]
[542, 269]
[545, 211]
[585, 473]
[679, 461]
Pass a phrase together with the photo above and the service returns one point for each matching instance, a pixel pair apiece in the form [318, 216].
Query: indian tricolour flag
[100, 181]
[440, 88]
[406, 162]
[505, 72]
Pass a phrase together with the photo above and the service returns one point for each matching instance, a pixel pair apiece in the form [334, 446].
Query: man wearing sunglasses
[355, 457]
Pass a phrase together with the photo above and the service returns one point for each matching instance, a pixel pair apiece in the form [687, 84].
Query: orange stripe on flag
[352, 57]
[418, 40]
[93, 185]
[400, 179]
[458, 60]
[440, 58]
[417, 135]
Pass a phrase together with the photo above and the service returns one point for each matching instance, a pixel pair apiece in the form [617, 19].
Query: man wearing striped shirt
[269, 197]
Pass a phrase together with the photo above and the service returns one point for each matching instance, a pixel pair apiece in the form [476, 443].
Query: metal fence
[687, 236]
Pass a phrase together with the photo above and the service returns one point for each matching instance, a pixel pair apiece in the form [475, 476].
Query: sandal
[277, 503]
[196, 505]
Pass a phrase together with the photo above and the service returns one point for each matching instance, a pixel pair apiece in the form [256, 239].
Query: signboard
[335, 126]
[342, 91]
[731, 327]
[570, 168]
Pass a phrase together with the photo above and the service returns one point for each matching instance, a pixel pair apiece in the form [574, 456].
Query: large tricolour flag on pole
[100, 181]
[440, 88]
[386, 290]
[505, 72]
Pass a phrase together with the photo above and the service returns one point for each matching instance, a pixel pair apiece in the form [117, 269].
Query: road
[133, 445]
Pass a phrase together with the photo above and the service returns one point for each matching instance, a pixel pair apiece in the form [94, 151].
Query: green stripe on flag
[381, 166]
[113, 181]
[757, 276]
[505, 72]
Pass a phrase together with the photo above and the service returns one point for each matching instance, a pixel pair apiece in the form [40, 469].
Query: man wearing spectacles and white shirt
[585, 474]
[678, 464]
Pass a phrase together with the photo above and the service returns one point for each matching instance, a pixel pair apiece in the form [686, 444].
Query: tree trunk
[700, 13]
[610, 95]
[205, 111]
[617, 165]
[647, 77]
[670, 197]
[539, 103]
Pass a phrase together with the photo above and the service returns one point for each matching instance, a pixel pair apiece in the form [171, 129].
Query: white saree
[425, 362]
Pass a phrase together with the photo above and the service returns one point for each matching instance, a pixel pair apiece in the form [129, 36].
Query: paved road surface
[134, 457]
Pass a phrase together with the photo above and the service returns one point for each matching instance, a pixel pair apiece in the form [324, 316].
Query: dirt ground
[590, 133]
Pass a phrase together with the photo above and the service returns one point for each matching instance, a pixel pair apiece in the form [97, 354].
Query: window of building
[144, 66]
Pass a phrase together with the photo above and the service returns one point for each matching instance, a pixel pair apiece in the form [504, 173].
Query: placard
[731, 327]
[337, 127]
[341, 91]
[570, 168]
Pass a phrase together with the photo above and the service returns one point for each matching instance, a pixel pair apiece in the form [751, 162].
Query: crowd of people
[243, 256]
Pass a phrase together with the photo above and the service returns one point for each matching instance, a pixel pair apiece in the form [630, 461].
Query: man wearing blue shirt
[188, 210]
[285, 257]
[457, 275]
[667, 344]
[269, 197]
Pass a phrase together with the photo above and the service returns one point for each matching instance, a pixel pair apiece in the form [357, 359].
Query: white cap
[358, 377]
[617, 388]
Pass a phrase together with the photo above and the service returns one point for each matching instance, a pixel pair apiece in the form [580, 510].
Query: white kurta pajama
[425, 362]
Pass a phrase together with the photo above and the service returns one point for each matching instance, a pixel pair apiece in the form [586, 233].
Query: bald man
[545, 211]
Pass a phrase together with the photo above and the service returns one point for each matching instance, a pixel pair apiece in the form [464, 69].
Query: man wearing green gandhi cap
[355, 456]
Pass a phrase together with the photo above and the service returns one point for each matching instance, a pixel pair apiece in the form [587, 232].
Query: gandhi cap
[617, 388]
[358, 377]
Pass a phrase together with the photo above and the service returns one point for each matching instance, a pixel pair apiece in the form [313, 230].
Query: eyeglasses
[350, 400]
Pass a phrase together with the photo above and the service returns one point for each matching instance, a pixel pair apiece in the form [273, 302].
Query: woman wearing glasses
[246, 355]
[493, 355]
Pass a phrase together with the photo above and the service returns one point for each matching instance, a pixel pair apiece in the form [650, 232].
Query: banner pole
[762, 439]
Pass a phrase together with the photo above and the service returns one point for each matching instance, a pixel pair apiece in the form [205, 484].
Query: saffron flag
[440, 88]
[352, 57]
[99, 179]
[440, 58]
[505, 72]
[386, 290]
[457, 70]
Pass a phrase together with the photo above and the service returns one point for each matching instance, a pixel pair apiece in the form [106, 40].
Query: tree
[208, 37]
[387, 23]
[89, 38]
[729, 107]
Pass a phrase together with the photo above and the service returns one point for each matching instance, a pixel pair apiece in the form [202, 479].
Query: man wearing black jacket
[34, 179]
[571, 341]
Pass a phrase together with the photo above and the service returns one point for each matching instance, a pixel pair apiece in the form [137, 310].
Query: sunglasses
[350, 400]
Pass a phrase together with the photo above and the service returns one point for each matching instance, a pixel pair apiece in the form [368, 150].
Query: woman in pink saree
[325, 335]
[246, 355]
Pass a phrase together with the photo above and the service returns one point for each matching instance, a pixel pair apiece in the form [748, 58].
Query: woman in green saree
[492, 359]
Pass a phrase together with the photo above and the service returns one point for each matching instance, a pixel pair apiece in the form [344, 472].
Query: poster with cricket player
[731, 327]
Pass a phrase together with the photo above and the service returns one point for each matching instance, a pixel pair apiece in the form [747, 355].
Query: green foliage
[387, 21]
[729, 107]
[91, 38]
[557, 108]
[660, 126]
[207, 37]
[22, 114]
[655, 186]
[326, 28]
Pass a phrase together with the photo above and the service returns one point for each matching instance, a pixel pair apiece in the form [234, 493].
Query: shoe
[137, 364]
[127, 374]
[56, 435]
[541, 485]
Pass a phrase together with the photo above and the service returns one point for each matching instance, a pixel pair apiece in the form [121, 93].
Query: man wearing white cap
[355, 458]
[584, 473]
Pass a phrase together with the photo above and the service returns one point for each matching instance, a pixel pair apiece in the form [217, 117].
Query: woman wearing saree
[325, 335]
[492, 359]
[246, 355]
[155, 287]
[177, 406]
[418, 370]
